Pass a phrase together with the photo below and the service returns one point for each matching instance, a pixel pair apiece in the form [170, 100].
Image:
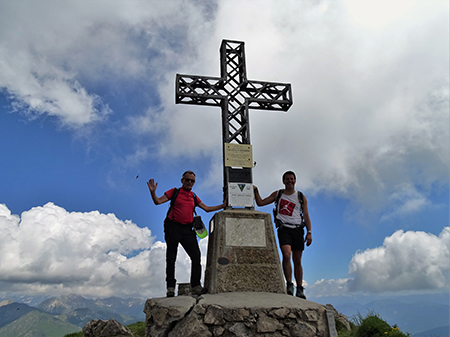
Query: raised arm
[263, 202]
[152, 188]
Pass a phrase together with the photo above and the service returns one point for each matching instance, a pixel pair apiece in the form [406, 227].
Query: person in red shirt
[178, 229]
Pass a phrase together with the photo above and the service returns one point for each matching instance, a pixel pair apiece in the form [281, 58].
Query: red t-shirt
[183, 207]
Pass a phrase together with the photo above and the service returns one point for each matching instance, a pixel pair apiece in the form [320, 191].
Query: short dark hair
[288, 172]
[187, 172]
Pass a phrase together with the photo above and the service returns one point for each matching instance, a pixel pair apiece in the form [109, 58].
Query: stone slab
[243, 232]
[181, 302]
[258, 299]
[331, 323]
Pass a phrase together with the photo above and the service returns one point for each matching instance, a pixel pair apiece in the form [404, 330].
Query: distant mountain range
[422, 316]
[58, 316]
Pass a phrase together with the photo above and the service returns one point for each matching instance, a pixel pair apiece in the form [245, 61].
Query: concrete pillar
[243, 254]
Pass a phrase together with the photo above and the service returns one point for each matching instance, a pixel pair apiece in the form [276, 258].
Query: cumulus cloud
[406, 261]
[370, 118]
[54, 61]
[331, 287]
[50, 250]
[366, 107]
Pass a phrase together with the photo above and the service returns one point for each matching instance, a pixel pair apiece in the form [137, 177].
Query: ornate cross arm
[267, 95]
[199, 90]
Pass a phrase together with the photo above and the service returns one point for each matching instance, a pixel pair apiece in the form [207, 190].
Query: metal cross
[235, 94]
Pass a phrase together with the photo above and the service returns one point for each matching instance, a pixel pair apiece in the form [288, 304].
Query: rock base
[239, 314]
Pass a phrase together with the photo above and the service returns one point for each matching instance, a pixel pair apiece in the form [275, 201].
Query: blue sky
[87, 105]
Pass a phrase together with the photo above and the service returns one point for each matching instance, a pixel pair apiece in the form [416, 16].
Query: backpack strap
[195, 203]
[275, 210]
[172, 200]
[277, 200]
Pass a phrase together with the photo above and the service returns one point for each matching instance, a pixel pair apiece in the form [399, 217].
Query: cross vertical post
[235, 94]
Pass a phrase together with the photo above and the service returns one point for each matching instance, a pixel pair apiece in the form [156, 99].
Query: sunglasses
[189, 180]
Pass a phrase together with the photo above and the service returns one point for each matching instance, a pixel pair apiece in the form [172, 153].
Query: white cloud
[53, 54]
[375, 13]
[49, 250]
[370, 113]
[406, 261]
[332, 287]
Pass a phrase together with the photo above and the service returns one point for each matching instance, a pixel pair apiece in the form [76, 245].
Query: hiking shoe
[290, 288]
[170, 292]
[198, 290]
[300, 293]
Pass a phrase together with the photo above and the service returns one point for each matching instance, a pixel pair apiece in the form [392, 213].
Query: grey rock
[267, 324]
[162, 313]
[303, 329]
[199, 309]
[218, 331]
[240, 330]
[190, 326]
[280, 312]
[236, 314]
[311, 315]
[214, 315]
[111, 328]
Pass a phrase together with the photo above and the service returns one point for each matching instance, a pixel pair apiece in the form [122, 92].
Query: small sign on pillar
[240, 190]
[240, 195]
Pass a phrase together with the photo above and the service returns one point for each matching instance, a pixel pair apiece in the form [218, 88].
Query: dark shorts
[293, 237]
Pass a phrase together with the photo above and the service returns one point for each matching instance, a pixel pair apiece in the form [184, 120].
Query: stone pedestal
[243, 314]
[243, 254]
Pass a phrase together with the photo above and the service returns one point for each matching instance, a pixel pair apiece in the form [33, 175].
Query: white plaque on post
[240, 194]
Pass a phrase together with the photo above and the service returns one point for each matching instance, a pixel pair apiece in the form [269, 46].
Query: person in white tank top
[290, 231]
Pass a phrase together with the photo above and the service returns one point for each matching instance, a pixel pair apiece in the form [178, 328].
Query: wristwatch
[309, 232]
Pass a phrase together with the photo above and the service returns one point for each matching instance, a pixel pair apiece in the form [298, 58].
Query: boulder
[111, 328]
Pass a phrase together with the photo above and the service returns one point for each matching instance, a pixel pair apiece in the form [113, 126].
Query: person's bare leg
[298, 272]
[298, 269]
[287, 268]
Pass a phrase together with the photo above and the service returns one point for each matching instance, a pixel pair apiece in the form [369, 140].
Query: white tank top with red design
[289, 210]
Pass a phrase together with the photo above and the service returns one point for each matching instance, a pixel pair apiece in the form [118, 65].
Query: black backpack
[278, 223]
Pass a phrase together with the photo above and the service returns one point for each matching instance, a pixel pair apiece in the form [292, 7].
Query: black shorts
[293, 237]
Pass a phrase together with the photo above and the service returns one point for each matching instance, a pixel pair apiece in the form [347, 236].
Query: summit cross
[235, 94]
